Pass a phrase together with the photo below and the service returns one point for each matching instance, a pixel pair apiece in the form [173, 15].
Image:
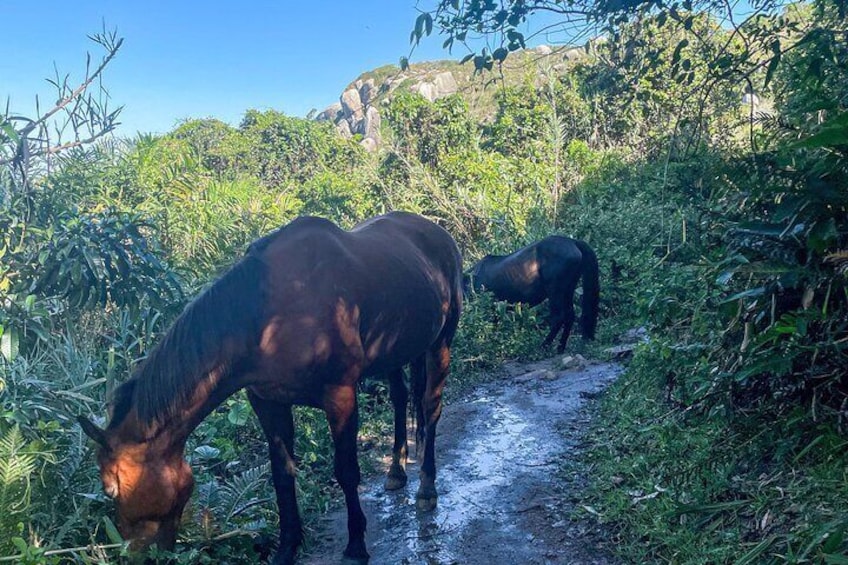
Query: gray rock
[352, 105]
[367, 92]
[445, 84]
[330, 113]
[372, 123]
[634, 335]
[620, 352]
[357, 126]
[344, 129]
[425, 89]
[543, 50]
[574, 362]
[574, 54]
[370, 144]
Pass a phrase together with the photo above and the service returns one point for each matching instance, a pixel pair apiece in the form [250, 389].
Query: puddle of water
[469, 484]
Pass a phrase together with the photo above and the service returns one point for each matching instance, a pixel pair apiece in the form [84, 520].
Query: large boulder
[367, 92]
[370, 144]
[371, 125]
[330, 113]
[344, 129]
[425, 89]
[445, 84]
[574, 54]
[352, 105]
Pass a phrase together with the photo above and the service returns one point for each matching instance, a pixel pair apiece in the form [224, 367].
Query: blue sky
[206, 59]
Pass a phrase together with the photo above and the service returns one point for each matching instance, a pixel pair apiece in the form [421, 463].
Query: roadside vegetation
[705, 163]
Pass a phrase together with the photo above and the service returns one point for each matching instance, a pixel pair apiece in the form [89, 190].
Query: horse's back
[395, 280]
[433, 241]
[558, 254]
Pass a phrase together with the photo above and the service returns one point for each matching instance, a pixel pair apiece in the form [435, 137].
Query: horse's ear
[92, 431]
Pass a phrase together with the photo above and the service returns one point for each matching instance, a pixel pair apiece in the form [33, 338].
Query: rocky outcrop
[331, 113]
[357, 111]
[441, 85]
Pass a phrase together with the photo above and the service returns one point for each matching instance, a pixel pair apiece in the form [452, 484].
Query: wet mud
[507, 480]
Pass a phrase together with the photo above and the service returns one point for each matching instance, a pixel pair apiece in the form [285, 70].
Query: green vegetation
[721, 226]
[725, 439]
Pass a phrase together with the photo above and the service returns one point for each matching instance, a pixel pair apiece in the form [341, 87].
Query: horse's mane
[211, 332]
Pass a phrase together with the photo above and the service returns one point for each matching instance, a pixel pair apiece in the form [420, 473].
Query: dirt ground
[500, 499]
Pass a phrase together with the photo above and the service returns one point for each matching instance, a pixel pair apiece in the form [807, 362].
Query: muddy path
[506, 483]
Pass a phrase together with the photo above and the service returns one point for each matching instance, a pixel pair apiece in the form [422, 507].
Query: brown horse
[300, 319]
[549, 268]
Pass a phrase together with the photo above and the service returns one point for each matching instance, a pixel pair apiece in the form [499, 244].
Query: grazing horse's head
[149, 481]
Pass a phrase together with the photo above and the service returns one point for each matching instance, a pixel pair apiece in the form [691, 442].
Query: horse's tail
[591, 290]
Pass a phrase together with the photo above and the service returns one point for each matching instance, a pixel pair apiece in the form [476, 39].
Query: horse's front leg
[343, 416]
[278, 424]
[399, 394]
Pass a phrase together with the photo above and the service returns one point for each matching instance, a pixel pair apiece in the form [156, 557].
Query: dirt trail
[500, 500]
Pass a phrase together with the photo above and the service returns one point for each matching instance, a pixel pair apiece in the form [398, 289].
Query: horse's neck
[206, 396]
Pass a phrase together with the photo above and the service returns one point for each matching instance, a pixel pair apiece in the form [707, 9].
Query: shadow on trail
[500, 499]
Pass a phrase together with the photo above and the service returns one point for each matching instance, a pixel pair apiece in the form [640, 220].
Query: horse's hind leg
[438, 364]
[399, 394]
[568, 311]
[556, 314]
[343, 416]
[278, 424]
[418, 380]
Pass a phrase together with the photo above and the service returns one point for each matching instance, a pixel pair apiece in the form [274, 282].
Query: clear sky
[184, 59]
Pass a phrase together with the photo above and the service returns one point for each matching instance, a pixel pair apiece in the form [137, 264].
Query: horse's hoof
[395, 482]
[425, 504]
[355, 556]
[283, 558]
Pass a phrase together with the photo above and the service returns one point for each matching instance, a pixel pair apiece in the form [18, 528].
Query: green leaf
[10, 132]
[10, 344]
[111, 531]
[239, 414]
[207, 451]
[834, 132]
[750, 293]
[822, 235]
[773, 63]
[675, 57]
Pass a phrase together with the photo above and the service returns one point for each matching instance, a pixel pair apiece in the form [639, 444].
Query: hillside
[357, 113]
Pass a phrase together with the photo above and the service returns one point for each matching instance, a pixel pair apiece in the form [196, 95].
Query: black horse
[549, 268]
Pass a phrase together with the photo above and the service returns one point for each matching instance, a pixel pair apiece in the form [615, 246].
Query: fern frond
[243, 490]
[839, 260]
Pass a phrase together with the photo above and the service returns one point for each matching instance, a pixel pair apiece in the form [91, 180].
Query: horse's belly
[392, 346]
[531, 294]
